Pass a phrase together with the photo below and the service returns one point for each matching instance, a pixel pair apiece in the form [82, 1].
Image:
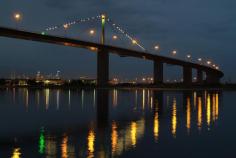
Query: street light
[65, 26]
[17, 18]
[188, 56]
[134, 41]
[199, 59]
[114, 37]
[156, 47]
[208, 62]
[174, 52]
[91, 32]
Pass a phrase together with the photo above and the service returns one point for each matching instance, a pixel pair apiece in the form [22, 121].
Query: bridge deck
[20, 34]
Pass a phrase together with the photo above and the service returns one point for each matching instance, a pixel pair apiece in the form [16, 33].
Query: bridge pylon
[187, 75]
[157, 72]
[103, 59]
[199, 76]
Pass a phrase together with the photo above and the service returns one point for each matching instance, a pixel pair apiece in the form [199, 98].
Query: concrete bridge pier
[102, 68]
[212, 78]
[157, 72]
[187, 75]
[199, 76]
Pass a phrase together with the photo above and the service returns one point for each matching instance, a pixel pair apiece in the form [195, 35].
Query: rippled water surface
[52, 123]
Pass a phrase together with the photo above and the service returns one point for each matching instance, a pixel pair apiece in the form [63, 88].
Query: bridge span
[212, 75]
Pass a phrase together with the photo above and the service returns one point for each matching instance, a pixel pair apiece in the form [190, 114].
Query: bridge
[103, 50]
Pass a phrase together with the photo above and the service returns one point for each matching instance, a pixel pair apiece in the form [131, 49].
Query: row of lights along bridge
[92, 32]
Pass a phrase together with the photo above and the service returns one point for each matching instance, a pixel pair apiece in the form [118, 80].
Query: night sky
[204, 28]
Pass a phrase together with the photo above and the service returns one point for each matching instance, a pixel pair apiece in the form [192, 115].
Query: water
[53, 123]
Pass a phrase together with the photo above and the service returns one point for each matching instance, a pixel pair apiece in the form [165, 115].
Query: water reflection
[42, 142]
[94, 128]
[199, 113]
[208, 114]
[188, 116]
[156, 126]
[91, 141]
[174, 118]
[114, 138]
[16, 153]
[47, 93]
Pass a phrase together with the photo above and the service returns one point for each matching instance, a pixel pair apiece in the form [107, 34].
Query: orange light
[114, 37]
[17, 16]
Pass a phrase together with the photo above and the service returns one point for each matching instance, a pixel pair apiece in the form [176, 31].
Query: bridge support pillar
[199, 76]
[158, 72]
[212, 78]
[187, 75]
[102, 68]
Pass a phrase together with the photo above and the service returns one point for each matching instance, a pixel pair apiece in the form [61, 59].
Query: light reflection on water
[86, 123]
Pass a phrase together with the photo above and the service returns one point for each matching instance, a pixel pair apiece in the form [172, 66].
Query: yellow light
[208, 114]
[17, 16]
[217, 67]
[213, 108]
[199, 113]
[174, 119]
[133, 133]
[91, 141]
[16, 153]
[103, 16]
[217, 105]
[208, 62]
[114, 37]
[156, 126]
[134, 41]
[91, 32]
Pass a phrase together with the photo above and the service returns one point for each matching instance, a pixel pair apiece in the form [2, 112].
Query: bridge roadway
[212, 75]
